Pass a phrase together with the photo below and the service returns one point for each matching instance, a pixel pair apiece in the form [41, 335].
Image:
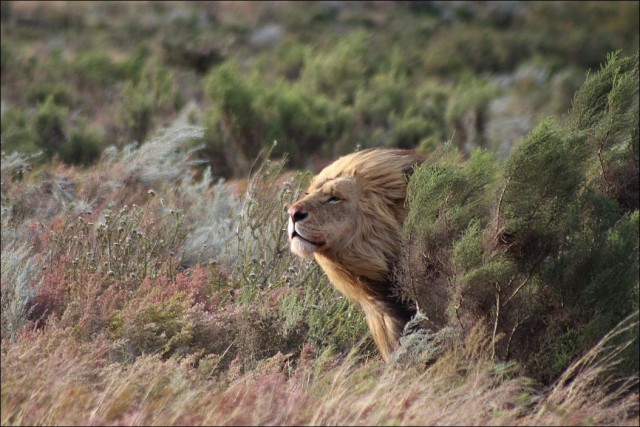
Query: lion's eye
[334, 199]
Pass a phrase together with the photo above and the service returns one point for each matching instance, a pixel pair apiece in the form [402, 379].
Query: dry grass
[49, 378]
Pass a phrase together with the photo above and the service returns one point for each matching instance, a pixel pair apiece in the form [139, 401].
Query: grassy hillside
[146, 276]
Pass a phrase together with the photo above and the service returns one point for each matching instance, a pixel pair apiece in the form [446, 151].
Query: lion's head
[351, 220]
[353, 211]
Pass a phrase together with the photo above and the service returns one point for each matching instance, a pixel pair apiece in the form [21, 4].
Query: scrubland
[146, 276]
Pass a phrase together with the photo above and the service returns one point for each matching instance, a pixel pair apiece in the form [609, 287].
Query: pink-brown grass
[51, 378]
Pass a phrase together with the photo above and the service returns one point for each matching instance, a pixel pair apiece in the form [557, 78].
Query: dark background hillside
[321, 78]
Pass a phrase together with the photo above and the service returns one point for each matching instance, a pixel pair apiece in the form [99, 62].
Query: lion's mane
[360, 263]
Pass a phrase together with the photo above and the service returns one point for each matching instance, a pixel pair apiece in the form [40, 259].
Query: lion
[350, 219]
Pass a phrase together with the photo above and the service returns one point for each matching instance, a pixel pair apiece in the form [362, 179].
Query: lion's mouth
[300, 236]
[300, 244]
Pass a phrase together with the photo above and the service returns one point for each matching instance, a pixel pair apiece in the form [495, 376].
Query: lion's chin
[302, 248]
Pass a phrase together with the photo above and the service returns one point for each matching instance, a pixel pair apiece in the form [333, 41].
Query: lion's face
[326, 218]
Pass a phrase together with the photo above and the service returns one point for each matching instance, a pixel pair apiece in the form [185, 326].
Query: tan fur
[354, 214]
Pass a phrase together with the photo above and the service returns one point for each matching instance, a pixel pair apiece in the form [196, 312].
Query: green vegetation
[320, 78]
[149, 151]
[251, 115]
[550, 244]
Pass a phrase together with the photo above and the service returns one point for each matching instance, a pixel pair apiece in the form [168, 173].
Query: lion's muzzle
[300, 243]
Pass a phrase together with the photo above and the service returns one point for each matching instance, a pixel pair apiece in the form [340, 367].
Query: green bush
[168, 327]
[6, 55]
[133, 67]
[432, 101]
[250, 116]
[302, 122]
[384, 95]
[146, 99]
[339, 72]
[585, 34]
[291, 59]
[61, 93]
[544, 253]
[409, 130]
[17, 134]
[50, 125]
[97, 68]
[137, 112]
[240, 120]
[479, 50]
[448, 200]
[83, 147]
[466, 113]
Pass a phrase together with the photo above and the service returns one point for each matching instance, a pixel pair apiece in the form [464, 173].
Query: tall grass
[50, 378]
[138, 293]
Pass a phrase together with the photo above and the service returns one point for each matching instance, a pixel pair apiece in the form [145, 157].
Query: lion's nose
[297, 213]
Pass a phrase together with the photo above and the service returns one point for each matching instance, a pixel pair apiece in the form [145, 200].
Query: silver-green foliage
[212, 220]
[21, 281]
[161, 159]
